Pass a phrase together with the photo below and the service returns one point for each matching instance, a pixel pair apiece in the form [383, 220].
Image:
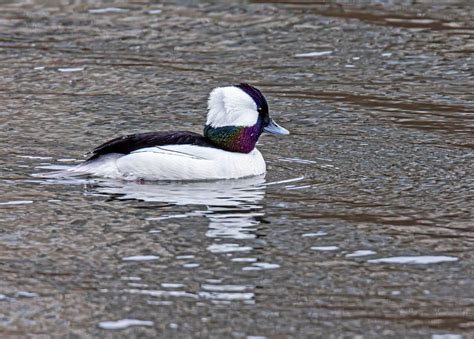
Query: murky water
[363, 224]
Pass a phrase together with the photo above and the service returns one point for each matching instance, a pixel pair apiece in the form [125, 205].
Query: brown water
[380, 160]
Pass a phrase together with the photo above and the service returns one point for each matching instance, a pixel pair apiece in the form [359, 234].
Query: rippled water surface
[363, 224]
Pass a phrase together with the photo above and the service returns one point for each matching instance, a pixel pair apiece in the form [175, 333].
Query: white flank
[176, 162]
[104, 166]
[231, 106]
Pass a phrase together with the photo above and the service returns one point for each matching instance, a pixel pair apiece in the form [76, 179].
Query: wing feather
[133, 142]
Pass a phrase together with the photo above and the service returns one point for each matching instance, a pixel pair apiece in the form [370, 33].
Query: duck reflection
[245, 193]
[233, 209]
[232, 206]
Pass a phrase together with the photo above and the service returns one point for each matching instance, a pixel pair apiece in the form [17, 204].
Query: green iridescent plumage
[234, 138]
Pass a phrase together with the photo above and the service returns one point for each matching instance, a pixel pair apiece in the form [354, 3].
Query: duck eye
[259, 109]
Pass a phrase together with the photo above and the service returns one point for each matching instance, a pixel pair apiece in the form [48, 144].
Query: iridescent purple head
[237, 116]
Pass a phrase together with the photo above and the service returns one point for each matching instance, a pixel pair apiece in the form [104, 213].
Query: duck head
[237, 116]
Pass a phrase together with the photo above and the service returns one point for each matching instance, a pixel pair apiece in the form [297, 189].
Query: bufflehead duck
[237, 116]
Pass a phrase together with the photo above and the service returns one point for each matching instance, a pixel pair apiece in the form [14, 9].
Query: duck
[236, 118]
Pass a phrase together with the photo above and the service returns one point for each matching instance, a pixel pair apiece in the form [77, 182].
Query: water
[363, 224]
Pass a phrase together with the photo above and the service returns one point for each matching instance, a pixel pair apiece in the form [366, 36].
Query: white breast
[177, 162]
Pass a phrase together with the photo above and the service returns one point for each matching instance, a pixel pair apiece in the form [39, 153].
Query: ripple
[159, 293]
[360, 253]
[298, 160]
[226, 295]
[141, 258]
[70, 70]
[313, 54]
[227, 248]
[171, 285]
[260, 266]
[17, 202]
[123, 323]
[317, 234]
[324, 248]
[428, 259]
[26, 294]
[244, 259]
[228, 288]
[108, 10]
[191, 265]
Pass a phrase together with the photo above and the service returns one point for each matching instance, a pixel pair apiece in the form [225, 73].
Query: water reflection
[231, 206]
[217, 195]
[233, 210]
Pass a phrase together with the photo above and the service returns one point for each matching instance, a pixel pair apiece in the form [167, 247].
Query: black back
[129, 143]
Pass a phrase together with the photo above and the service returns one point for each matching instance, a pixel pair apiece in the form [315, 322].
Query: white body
[175, 162]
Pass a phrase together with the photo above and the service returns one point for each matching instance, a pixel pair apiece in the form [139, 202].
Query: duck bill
[274, 128]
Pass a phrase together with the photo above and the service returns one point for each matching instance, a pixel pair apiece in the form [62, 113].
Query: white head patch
[231, 106]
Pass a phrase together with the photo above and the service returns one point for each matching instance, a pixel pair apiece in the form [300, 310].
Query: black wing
[129, 143]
